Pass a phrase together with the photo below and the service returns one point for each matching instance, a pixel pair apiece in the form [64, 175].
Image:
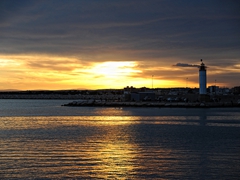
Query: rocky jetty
[98, 103]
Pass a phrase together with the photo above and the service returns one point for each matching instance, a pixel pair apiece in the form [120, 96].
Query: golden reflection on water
[56, 121]
[54, 147]
[116, 154]
[104, 146]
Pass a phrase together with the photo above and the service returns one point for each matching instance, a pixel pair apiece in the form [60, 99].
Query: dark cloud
[185, 65]
[229, 79]
[76, 27]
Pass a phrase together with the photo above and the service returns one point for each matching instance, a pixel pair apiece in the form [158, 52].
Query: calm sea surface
[40, 139]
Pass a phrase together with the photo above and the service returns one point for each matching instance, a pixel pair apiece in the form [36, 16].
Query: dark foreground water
[39, 139]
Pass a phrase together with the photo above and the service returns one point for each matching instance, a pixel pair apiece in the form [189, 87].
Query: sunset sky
[99, 44]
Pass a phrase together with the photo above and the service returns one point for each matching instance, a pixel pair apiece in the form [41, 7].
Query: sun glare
[4, 62]
[114, 69]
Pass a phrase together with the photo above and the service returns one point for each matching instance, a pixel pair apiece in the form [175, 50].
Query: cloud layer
[154, 34]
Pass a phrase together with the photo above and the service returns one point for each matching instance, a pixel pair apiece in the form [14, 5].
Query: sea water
[40, 139]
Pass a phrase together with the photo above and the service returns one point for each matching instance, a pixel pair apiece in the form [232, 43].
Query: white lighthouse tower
[202, 79]
[203, 83]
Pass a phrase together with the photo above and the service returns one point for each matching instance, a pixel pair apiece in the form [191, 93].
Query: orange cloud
[27, 72]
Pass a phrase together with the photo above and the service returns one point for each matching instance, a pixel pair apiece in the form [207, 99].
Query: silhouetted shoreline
[116, 98]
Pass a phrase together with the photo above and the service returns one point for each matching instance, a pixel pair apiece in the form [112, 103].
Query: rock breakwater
[96, 103]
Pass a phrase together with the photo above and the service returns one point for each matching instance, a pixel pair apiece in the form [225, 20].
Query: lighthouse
[202, 79]
[203, 83]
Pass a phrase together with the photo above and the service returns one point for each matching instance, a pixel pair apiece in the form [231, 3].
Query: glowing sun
[115, 69]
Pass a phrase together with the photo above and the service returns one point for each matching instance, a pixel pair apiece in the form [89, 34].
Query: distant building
[143, 96]
[236, 90]
[213, 89]
[138, 94]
